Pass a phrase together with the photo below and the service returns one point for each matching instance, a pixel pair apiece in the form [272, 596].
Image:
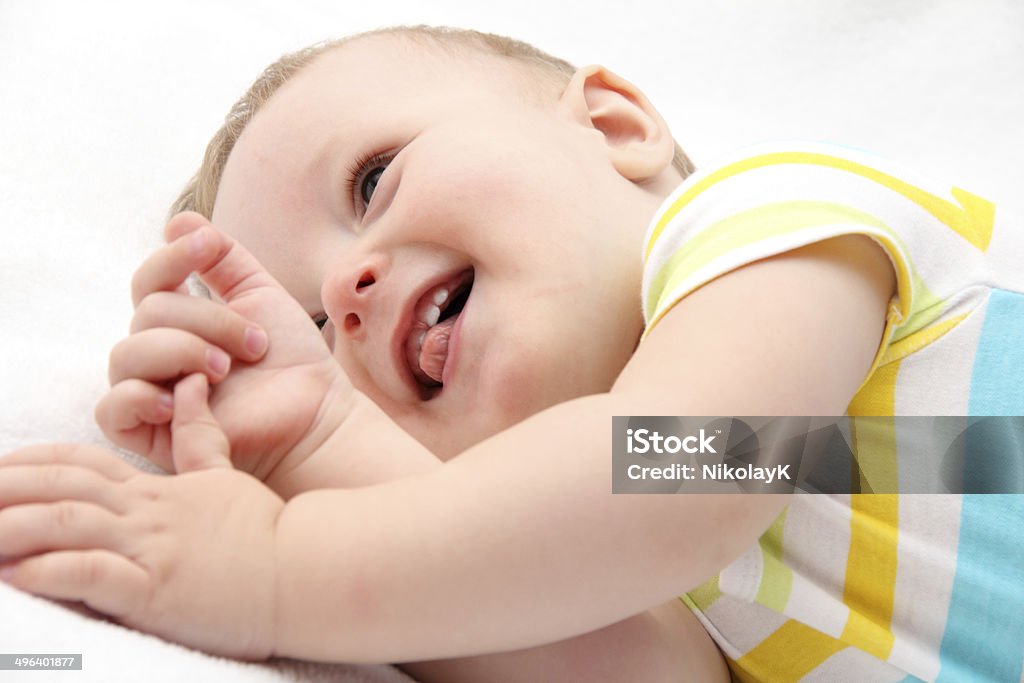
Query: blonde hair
[200, 192]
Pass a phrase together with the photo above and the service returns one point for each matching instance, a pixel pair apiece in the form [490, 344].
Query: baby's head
[463, 212]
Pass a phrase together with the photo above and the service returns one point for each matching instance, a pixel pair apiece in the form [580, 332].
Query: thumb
[197, 441]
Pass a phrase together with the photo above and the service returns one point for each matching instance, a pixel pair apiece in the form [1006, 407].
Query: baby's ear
[638, 140]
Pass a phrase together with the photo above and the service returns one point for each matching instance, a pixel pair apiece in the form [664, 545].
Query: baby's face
[474, 254]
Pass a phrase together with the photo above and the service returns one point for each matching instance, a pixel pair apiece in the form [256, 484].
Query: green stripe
[704, 595]
[776, 577]
[927, 309]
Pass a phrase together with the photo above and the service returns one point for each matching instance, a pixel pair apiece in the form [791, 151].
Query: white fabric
[29, 625]
[107, 107]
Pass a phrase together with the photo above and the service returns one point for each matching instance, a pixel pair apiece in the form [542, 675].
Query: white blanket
[112, 653]
[107, 107]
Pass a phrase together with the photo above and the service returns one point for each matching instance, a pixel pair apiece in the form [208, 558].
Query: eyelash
[358, 170]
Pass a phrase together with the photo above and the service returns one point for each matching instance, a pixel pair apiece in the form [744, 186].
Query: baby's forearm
[505, 547]
[360, 446]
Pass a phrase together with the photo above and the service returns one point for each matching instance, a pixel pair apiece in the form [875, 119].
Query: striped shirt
[871, 587]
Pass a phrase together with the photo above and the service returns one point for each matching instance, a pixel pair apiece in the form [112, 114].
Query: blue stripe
[994, 451]
[984, 636]
[996, 380]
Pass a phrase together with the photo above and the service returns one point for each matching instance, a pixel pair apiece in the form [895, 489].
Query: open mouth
[434, 318]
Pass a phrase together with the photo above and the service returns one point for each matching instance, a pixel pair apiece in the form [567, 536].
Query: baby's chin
[466, 433]
[454, 434]
[446, 445]
[503, 395]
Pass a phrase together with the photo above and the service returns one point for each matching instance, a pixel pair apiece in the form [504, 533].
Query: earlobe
[637, 138]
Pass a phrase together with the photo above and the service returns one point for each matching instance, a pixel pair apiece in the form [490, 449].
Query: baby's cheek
[473, 169]
[524, 382]
[470, 183]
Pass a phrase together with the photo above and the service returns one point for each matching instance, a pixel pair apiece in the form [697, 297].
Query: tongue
[434, 352]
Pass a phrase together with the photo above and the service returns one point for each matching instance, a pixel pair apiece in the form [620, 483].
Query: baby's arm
[518, 541]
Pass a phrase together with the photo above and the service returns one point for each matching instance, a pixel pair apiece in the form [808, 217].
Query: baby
[463, 217]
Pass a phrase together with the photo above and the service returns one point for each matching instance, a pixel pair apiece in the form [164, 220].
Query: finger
[210, 320]
[182, 224]
[227, 268]
[136, 415]
[22, 484]
[93, 457]
[133, 403]
[164, 353]
[106, 581]
[197, 441]
[166, 269]
[188, 249]
[63, 525]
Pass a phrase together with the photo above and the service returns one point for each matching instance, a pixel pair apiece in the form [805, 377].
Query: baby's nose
[349, 297]
[352, 321]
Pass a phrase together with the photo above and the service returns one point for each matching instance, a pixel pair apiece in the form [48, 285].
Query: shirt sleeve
[773, 199]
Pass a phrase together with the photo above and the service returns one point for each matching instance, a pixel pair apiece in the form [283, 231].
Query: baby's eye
[369, 183]
[365, 176]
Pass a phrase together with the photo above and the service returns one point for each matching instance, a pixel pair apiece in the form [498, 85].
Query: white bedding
[107, 107]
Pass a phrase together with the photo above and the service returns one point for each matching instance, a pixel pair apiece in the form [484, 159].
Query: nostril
[365, 280]
[352, 322]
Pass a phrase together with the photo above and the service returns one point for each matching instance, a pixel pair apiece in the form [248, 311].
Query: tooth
[432, 315]
[419, 341]
[440, 296]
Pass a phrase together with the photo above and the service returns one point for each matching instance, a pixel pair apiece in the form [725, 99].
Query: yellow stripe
[740, 675]
[871, 573]
[756, 225]
[972, 219]
[871, 564]
[914, 342]
[787, 655]
[776, 577]
[874, 441]
[766, 223]
[873, 399]
[878, 395]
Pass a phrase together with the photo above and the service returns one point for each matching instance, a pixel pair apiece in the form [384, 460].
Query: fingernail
[167, 401]
[218, 361]
[255, 340]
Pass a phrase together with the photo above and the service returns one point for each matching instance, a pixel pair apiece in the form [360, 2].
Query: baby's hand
[274, 400]
[190, 558]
